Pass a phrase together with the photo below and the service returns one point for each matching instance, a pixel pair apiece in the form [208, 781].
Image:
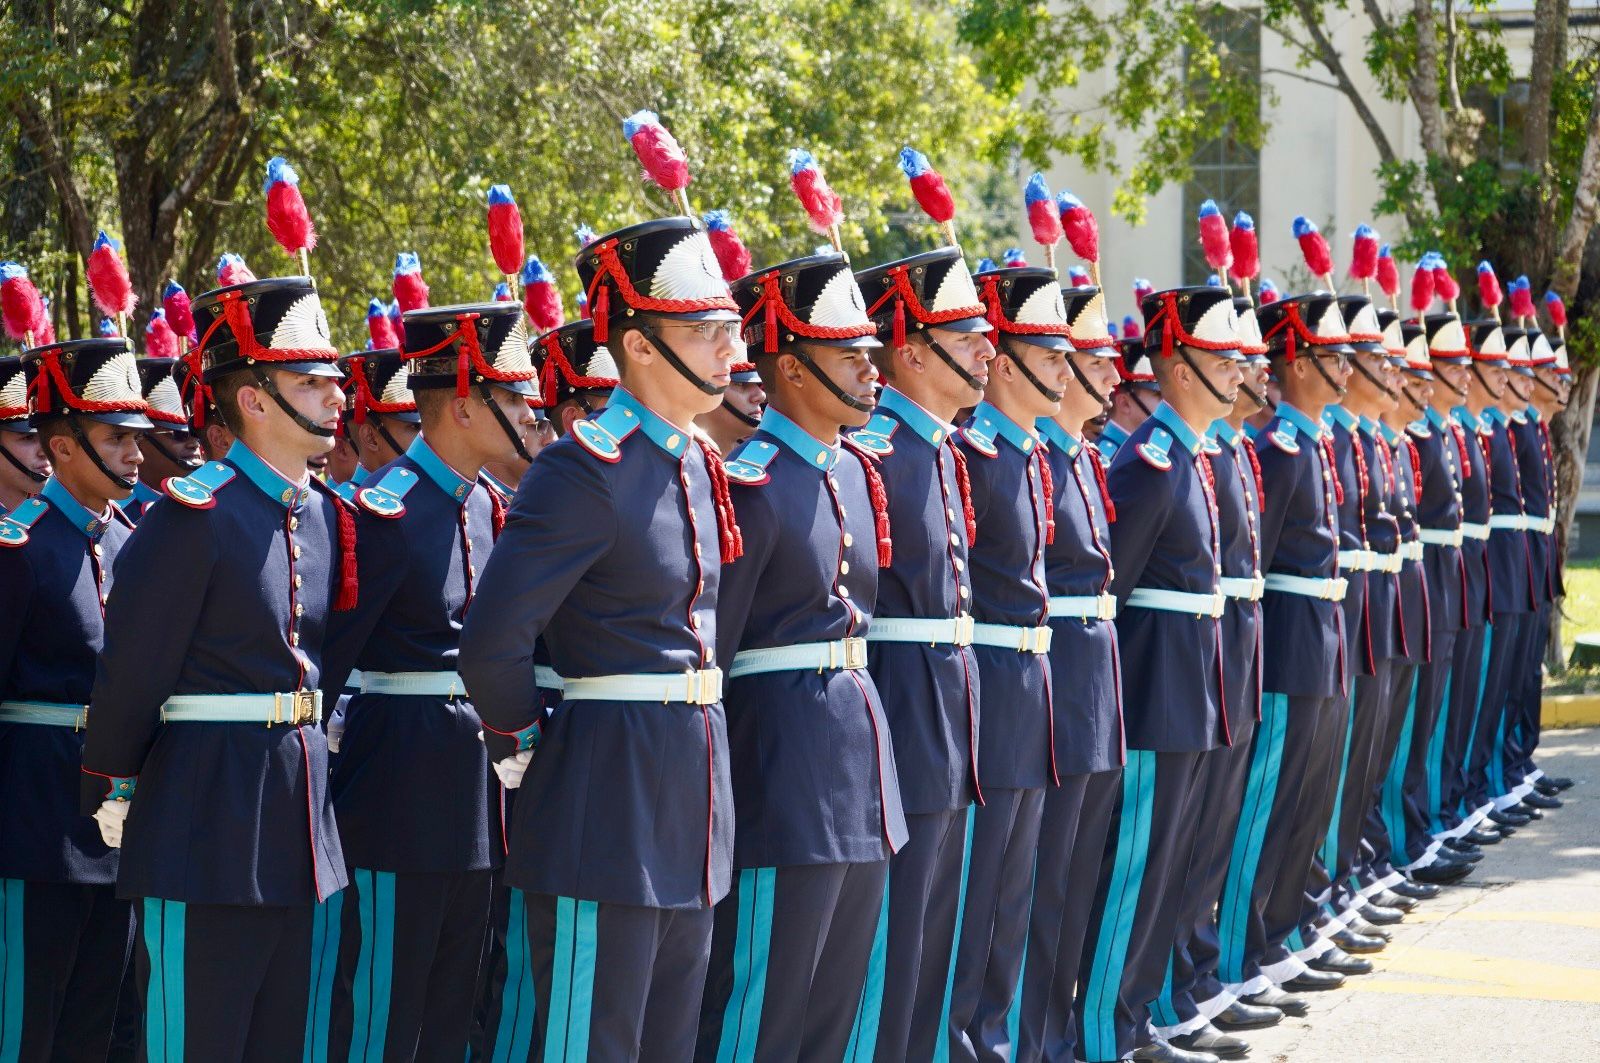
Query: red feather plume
[1364, 254]
[1078, 224]
[1422, 289]
[160, 341]
[1444, 283]
[663, 159]
[1246, 248]
[21, 304]
[505, 230]
[108, 278]
[1388, 275]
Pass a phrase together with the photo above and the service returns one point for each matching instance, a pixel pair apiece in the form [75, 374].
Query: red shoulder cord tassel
[880, 504]
[1100, 482]
[728, 534]
[1048, 485]
[1416, 470]
[964, 485]
[1461, 449]
[1333, 471]
[497, 512]
[349, 582]
[1255, 467]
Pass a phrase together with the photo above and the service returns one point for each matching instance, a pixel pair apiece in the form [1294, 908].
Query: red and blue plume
[585, 236]
[1314, 246]
[732, 255]
[108, 278]
[1079, 227]
[379, 328]
[1142, 289]
[1422, 285]
[287, 216]
[1246, 250]
[822, 205]
[1043, 217]
[410, 290]
[502, 292]
[1388, 273]
[664, 162]
[180, 315]
[1213, 280]
[1556, 309]
[1078, 276]
[160, 341]
[47, 329]
[397, 321]
[583, 304]
[1111, 327]
[1130, 327]
[1522, 298]
[20, 304]
[1489, 286]
[1444, 282]
[1214, 237]
[1269, 291]
[1013, 258]
[932, 194]
[985, 264]
[1364, 253]
[231, 270]
[540, 297]
[505, 229]
[107, 328]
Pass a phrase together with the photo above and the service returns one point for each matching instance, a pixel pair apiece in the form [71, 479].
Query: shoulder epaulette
[1518, 416]
[15, 526]
[1283, 437]
[749, 462]
[1419, 429]
[346, 490]
[1156, 451]
[385, 498]
[199, 489]
[602, 434]
[875, 436]
[1107, 447]
[1210, 446]
[978, 439]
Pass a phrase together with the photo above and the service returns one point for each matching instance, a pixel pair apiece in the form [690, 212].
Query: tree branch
[79, 224]
[1423, 82]
[1281, 72]
[1329, 56]
[1585, 208]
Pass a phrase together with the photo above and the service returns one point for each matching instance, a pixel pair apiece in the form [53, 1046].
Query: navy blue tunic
[1349, 462]
[1440, 444]
[1381, 521]
[228, 593]
[1510, 562]
[1535, 462]
[814, 778]
[1406, 461]
[1475, 510]
[1086, 679]
[610, 551]
[52, 590]
[1239, 525]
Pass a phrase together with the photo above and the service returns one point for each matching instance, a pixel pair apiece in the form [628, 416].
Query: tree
[1171, 82]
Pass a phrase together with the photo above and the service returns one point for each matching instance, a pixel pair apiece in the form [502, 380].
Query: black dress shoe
[1509, 818]
[1560, 782]
[1441, 873]
[1381, 916]
[1535, 799]
[1273, 997]
[1210, 1039]
[1462, 845]
[1417, 891]
[1338, 961]
[1314, 981]
[1160, 1051]
[1242, 1015]
[1544, 786]
[1390, 899]
[1350, 941]
[1528, 811]
[1461, 858]
[1361, 928]
[1482, 837]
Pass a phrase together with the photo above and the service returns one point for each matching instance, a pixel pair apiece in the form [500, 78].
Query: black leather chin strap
[1027, 374]
[859, 405]
[1493, 394]
[124, 482]
[36, 477]
[1547, 386]
[485, 391]
[1135, 393]
[383, 434]
[181, 462]
[739, 415]
[1374, 381]
[264, 378]
[1338, 389]
[944, 356]
[677, 363]
[1254, 396]
[1183, 352]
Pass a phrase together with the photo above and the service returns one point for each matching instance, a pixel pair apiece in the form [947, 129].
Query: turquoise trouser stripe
[514, 1035]
[864, 1035]
[941, 1047]
[1330, 843]
[1497, 767]
[1014, 1016]
[1436, 759]
[752, 945]
[572, 981]
[374, 963]
[1122, 901]
[163, 1002]
[1162, 1011]
[13, 965]
[1261, 789]
[325, 924]
[1394, 783]
[1477, 712]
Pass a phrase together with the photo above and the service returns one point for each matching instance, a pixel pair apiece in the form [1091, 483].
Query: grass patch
[1580, 616]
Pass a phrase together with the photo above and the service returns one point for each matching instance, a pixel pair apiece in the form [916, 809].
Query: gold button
[844, 568]
[938, 434]
[960, 564]
[949, 514]
[833, 483]
[955, 540]
[849, 540]
[694, 622]
[299, 609]
[297, 579]
[672, 440]
[472, 572]
[97, 550]
[294, 638]
[844, 592]
[295, 550]
[965, 593]
[294, 523]
[822, 458]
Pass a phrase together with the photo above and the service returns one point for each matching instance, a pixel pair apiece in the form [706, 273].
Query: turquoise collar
[434, 468]
[1178, 427]
[1468, 419]
[920, 421]
[1439, 420]
[1223, 432]
[1058, 437]
[1113, 431]
[92, 527]
[268, 481]
[359, 477]
[805, 446]
[1532, 413]
[997, 425]
[1368, 425]
[1495, 415]
[663, 433]
[1338, 415]
[1301, 421]
[1388, 433]
[143, 493]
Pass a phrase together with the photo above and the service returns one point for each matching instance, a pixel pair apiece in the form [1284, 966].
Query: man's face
[318, 399]
[849, 369]
[1050, 368]
[117, 447]
[29, 453]
[973, 352]
[1450, 383]
[1224, 374]
[707, 349]
[170, 453]
[749, 399]
[490, 436]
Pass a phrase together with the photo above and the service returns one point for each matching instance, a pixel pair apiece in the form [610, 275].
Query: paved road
[1504, 967]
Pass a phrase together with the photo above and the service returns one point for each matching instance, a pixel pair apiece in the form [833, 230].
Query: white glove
[335, 733]
[512, 768]
[110, 817]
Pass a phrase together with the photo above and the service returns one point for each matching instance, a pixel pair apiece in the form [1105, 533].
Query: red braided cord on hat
[1461, 448]
[1173, 328]
[728, 533]
[1090, 343]
[52, 379]
[236, 312]
[1255, 467]
[1048, 485]
[964, 485]
[777, 311]
[558, 369]
[468, 354]
[174, 420]
[1479, 356]
[903, 294]
[197, 394]
[366, 400]
[1100, 481]
[880, 503]
[996, 315]
[1295, 326]
[1367, 337]
[610, 267]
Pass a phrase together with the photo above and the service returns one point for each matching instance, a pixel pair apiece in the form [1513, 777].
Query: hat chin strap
[35, 476]
[1254, 396]
[739, 415]
[1493, 394]
[859, 405]
[124, 482]
[1027, 374]
[1374, 381]
[1316, 363]
[677, 363]
[945, 356]
[1134, 393]
[485, 391]
[1542, 382]
[264, 379]
[383, 434]
[1183, 352]
[182, 463]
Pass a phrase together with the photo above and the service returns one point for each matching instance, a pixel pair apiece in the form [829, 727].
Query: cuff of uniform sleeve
[525, 739]
[98, 787]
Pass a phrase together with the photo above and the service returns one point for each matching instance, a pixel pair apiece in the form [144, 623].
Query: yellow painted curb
[1570, 710]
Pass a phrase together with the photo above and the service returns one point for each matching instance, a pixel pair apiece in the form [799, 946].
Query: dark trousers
[993, 931]
[1501, 658]
[63, 950]
[1469, 666]
[899, 1014]
[1522, 729]
[1135, 914]
[1191, 978]
[1384, 830]
[494, 970]
[1419, 791]
[1330, 879]
[789, 954]
[408, 951]
[224, 982]
[1072, 843]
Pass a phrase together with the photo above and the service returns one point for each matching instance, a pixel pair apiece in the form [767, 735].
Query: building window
[1225, 168]
[1503, 118]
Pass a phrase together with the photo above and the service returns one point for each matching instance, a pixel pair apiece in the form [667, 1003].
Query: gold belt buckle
[963, 630]
[301, 708]
[1105, 607]
[855, 653]
[1038, 640]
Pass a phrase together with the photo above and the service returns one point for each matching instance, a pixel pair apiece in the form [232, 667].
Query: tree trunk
[1569, 437]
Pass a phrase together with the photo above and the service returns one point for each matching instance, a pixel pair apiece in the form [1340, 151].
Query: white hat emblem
[115, 381]
[512, 357]
[166, 398]
[839, 303]
[689, 271]
[956, 291]
[1329, 326]
[1451, 338]
[303, 328]
[14, 392]
[1217, 324]
[1044, 307]
[1091, 324]
[397, 390]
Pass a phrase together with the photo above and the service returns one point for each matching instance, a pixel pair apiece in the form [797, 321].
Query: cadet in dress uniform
[1194, 1007]
[1133, 400]
[740, 413]
[382, 419]
[169, 447]
[935, 362]
[1085, 691]
[1012, 500]
[203, 720]
[24, 466]
[1303, 677]
[622, 838]
[1167, 557]
[420, 859]
[65, 936]
[816, 796]
[576, 374]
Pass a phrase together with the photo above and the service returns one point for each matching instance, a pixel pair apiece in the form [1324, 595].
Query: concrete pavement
[1505, 966]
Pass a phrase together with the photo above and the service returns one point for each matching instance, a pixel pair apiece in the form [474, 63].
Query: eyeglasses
[1340, 360]
[710, 330]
